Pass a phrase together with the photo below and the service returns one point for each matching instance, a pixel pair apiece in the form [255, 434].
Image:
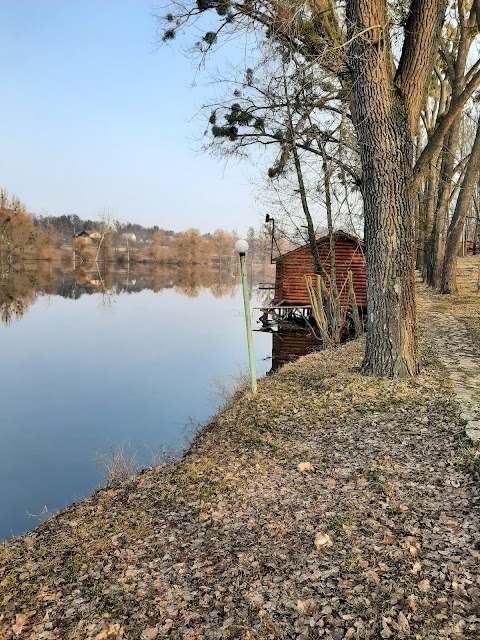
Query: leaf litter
[330, 505]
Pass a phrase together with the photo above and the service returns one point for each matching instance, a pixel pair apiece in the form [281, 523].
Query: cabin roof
[83, 233]
[337, 234]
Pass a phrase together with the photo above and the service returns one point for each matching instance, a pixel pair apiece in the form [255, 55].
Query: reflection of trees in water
[191, 279]
[21, 284]
[19, 289]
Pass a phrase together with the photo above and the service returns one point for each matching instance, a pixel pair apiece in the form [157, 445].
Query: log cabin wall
[292, 267]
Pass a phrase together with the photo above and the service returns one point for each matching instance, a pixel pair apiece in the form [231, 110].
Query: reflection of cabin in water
[288, 346]
[291, 296]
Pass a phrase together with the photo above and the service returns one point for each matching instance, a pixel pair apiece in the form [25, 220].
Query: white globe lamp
[241, 246]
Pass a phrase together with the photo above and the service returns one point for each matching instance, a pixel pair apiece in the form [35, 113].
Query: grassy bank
[376, 538]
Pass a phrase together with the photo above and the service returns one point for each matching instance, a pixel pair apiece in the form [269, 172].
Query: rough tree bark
[386, 107]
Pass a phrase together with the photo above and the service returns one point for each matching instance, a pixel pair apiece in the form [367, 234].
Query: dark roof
[337, 234]
[83, 233]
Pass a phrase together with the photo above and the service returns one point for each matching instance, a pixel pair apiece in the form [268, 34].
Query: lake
[92, 362]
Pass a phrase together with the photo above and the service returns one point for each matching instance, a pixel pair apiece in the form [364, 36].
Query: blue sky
[94, 115]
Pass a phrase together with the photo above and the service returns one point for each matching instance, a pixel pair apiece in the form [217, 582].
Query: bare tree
[455, 229]
[385, 99]
[105, 226]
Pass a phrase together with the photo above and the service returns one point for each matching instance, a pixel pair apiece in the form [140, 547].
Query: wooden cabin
[291, 268]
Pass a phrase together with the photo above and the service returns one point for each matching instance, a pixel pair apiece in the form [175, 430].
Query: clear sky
[94, 115]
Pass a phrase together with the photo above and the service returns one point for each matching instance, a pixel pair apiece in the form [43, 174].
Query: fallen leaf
[20, 620]
[301, 606]
[304, 466]
[386, 632]
[416, 567]
[150, 633]
[403, 626]
[346, 585]
[323, 540]
[424, 585]
[372, 577]
[305, 606]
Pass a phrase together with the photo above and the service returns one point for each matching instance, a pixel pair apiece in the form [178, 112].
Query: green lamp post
[241, 247]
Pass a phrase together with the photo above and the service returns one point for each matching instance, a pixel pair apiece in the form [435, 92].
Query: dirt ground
[330, 505]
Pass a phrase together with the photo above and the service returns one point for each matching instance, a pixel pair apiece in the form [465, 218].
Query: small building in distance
[129, 237]
[87, 235]
[292, 267]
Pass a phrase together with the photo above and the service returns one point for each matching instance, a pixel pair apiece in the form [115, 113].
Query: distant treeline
[67, 226]
[24, 237]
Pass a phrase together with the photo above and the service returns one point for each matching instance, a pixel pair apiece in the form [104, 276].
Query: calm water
[92, 362]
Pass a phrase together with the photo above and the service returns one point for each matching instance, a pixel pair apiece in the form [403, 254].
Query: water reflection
[288, 346]
[19, 288]
[21, 285]
[92, 359]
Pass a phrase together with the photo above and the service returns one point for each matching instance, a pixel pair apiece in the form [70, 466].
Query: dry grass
[118, 465]
[471, 456]
[224, 389]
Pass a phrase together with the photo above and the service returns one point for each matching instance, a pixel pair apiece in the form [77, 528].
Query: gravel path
[459, 352]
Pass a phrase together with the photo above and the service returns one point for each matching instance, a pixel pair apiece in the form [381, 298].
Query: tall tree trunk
[388, 207]
[420, 230]
[464, 202]
[441, 212]
[386, 108]
[312, 240]
[426, 221]
[458, 65]
[420, 213]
